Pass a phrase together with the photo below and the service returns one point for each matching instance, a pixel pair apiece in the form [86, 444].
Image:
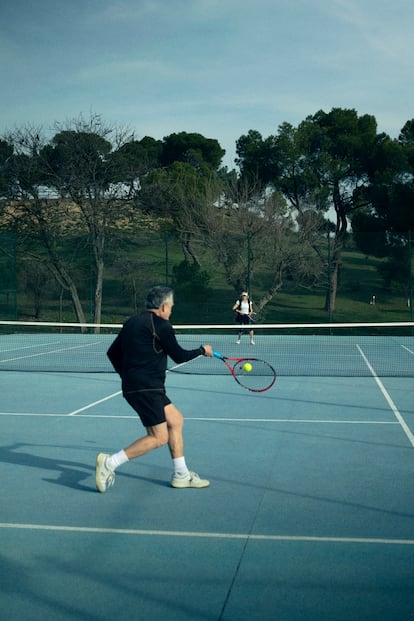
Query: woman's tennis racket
[252, 373]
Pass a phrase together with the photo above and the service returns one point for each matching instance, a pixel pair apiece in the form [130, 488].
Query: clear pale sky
[216, 67]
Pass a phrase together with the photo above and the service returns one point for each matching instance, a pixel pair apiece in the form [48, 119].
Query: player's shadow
[69, 473]
[73, 474]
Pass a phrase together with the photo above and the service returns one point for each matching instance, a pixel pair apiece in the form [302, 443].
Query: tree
[383, 228]
[84, 166]
[181, 193]
[6, 152]
[135, 159]
[73, 184]
[191, 281]
[282, 170]
[253, 233]
[192, 149]
[37, 281]
[33, 214]
[339, 145]
[322, 163]
[258, 159]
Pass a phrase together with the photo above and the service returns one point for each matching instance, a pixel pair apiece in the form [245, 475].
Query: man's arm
[114, 354]
[176, 352]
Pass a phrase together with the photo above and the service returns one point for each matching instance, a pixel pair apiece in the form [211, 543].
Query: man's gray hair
[158, 295]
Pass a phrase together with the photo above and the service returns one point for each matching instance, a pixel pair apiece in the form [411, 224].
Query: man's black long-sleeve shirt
[139, 352]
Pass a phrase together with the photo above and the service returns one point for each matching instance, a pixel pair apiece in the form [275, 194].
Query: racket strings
[257, 375]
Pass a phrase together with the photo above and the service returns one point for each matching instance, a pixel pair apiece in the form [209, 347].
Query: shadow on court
[70, 474]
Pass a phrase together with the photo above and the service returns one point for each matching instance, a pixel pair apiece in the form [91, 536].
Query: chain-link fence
[207, 278]
[8, 280]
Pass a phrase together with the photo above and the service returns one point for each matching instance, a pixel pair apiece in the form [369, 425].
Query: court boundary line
[91, 405]
[47, 353]
[205, 535]
[310, 421]
[296, 420]
[21, 347]
[388, 399]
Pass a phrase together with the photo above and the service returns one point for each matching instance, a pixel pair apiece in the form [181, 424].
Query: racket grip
[217, 355]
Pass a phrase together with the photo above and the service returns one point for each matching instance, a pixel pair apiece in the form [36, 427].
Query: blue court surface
[309, 516]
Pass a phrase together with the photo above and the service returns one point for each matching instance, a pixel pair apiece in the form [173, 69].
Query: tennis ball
[247, 367]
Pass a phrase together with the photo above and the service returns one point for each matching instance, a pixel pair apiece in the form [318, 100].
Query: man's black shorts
[149, 404]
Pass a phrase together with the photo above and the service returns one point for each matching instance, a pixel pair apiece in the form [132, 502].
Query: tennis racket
[252, 373]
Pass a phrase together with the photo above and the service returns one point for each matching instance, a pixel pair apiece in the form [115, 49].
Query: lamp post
[410, 292]
[249, 235]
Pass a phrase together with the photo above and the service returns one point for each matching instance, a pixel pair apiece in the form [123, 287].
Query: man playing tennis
[139, 354]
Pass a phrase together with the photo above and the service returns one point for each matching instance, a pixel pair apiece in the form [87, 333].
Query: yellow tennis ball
[247, 367]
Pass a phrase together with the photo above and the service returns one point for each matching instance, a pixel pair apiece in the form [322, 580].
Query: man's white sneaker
[105, 477]
[189, 480]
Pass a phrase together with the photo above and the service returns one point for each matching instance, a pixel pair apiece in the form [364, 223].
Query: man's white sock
[117, 459]
[180, 467]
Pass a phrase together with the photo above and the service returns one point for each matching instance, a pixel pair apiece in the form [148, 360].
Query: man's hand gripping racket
[252, 373]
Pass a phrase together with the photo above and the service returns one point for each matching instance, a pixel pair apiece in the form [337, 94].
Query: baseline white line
[299, 420]
[214, 420]
[387, 396]
[204, 535]
[91, 405]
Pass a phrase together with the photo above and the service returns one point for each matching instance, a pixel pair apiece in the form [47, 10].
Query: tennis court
[310, 512]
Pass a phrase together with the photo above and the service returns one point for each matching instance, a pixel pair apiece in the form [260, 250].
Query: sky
[214, 67]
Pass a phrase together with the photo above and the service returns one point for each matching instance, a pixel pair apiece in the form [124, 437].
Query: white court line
[296, 420]
[47, 353]
[41, 414]
[408, 349]
[204, 535]
[390, 402]
[209, 419]
[34, 414]
[29, 346]
[91, 405]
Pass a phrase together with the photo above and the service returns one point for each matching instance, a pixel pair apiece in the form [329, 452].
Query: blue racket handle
[217, 355]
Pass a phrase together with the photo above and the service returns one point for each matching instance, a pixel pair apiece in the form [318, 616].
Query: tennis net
[331, 349]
